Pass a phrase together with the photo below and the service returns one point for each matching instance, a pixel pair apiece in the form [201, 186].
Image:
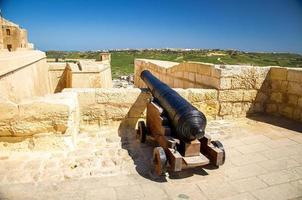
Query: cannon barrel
[187, 122]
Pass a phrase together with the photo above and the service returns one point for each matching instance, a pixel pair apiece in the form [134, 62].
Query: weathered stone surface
[277, 97]
[271, 108]
[9, 113]
[225, 108]
[292, 99]
[295, 88]
[201, 95]
[225, 83]
[294, 75]
[58, 113]
[278, 73]
[249, 95]
[300, 102]
[230, 95]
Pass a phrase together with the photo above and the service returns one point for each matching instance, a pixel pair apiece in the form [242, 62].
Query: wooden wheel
[159, 161]
[218, 145]
[142, 131]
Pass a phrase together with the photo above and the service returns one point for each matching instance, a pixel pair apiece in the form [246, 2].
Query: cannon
[178, 128]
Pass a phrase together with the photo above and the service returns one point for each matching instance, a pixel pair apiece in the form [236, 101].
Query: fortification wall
[241, 90]
[68, 75]
[23, 75]
[178, 75]
[44, 123]
[285, 93]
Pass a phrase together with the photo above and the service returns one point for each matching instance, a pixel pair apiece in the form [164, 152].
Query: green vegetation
[122, 62]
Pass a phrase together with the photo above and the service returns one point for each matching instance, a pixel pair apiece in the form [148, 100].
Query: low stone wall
[91, 74]
[285, 93]
[242, 90]
[103, 106]
[55, 115]
[179, 75]
[23, 75]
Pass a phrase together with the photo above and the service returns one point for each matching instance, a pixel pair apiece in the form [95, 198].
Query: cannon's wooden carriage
[173, 154]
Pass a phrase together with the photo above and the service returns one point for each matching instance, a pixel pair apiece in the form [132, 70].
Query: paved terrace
[264, 161]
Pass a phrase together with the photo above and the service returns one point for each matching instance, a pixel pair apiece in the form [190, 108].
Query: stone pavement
[264, 161]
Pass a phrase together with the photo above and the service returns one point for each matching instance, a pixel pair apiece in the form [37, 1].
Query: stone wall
[241, 90]
[23, 75]
[285, 93]
[87, 74]
[237, 86]
[179, 75]
[103, 106]
[54, 118]
[60, 76]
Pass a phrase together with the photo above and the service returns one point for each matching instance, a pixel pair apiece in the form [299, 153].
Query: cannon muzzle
[187, 122]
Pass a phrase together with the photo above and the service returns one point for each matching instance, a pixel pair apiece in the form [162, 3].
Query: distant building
[12, 36]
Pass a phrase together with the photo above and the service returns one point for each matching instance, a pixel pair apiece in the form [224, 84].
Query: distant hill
[123, 61]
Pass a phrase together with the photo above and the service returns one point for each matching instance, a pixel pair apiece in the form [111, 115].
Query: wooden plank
[175, 160]
[213, 153]
[194, 161]
[155, 121]
[190, 148]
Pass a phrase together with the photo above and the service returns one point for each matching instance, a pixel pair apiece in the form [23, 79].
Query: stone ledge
[18, 59]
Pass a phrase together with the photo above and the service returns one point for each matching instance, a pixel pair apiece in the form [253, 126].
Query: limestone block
[231, 95]
[258, 108]
[116, 95]
[179, 74]
[178, 83]
[216, 73]
[8, 113]
[271, 108]
[295, 88]
[204, 69]
[56, 113]
[261, 97]
[249, 95]
[287, 111]
[243, 82]
[297, 113]
[199, 78]
[276, 97]
[186, 75]
[210, 109]
[225, 109]
[261, 76]
[247, 108]
[300, 102]
[225, 83]
[294, 75]
[202, 95]
[191, 67]
[237, 109]
[192, 77]
[279, 86]
[277, 73]
[292, 99]
[86, 96]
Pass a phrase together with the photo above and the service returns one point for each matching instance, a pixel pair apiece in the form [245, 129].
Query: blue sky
[252, 25]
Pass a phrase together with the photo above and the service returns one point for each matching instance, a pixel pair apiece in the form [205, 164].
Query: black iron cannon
[179, 129]
[187, 122]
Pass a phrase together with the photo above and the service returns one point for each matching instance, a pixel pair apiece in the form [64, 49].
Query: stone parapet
[23, 75]
[285, 92]
[56, 115]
